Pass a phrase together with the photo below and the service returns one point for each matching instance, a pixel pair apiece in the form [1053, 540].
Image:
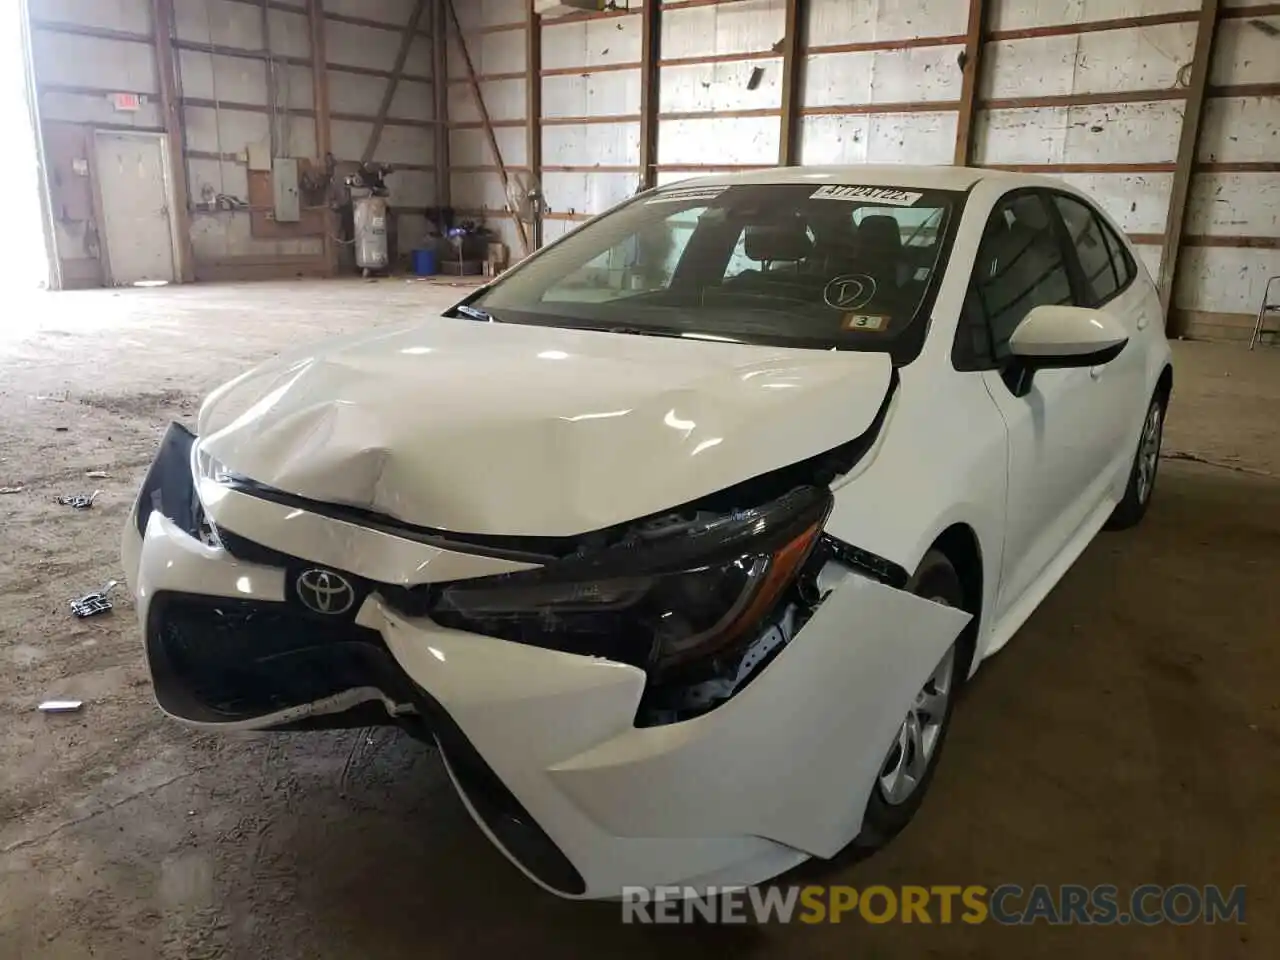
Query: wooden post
[171, 110]
[792, 82]
[533, 107]
[969, 86]
[1188, 147]
[650, 56]
[440, 86]
[320, 94]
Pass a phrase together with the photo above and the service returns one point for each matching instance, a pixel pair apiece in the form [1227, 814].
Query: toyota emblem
[325, 592]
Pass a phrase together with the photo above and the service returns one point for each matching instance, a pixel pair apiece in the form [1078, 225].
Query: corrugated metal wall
[1093, 91]
[233, 59]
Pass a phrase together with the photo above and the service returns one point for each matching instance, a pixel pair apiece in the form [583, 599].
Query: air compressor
[369, 210]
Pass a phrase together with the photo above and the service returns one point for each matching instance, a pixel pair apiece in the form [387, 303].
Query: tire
[1142, 474]
[887, 814]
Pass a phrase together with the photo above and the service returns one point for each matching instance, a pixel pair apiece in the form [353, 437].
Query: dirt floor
[1130, 734]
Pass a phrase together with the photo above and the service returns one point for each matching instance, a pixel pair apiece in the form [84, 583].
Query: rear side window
[1104, 262]
[1126, 268]
[1020, 266]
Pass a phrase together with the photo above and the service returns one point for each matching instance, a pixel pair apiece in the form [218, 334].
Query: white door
[1115, 287]
[135, 206]
[1060, 429]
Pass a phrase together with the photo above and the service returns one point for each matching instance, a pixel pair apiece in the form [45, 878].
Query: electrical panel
[284, 186]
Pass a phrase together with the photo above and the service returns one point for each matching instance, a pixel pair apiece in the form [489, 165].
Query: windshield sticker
[885, 195]
[689, 193]
[872, 322]
[850, 292]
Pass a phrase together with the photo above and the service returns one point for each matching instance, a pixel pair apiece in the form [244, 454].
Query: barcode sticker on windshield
[689, 193]
[885, 195]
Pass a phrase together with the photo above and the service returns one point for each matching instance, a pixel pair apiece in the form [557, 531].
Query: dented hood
[491, 428]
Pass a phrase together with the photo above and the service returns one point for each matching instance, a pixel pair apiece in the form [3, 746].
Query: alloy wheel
[1149, 452]
[908, 759]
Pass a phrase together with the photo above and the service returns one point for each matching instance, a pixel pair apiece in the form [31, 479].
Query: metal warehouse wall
[1103, 93]
[231, 60]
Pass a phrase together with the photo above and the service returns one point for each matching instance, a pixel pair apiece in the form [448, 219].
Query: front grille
[240, 659]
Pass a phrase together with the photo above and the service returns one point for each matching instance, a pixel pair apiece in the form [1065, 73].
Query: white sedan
[679, 538]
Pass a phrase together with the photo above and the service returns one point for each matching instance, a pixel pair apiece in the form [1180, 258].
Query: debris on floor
[6, 490]
[98, 475]
[93, 604]
[79, 502]
[61, 706]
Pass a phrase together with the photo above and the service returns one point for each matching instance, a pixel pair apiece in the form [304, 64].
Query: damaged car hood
[490, 428]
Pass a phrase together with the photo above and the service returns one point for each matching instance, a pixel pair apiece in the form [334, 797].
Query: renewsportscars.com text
[1006, 904]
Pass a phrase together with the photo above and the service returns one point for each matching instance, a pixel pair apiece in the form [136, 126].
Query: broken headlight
[204, 466]
[651, 601]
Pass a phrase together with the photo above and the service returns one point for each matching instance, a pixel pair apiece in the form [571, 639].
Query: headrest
[777, 242]
[880, 236]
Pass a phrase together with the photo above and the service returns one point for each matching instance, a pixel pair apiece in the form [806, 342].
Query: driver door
[1058, 430]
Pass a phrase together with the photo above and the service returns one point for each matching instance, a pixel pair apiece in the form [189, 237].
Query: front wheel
[1142, 475]
[913, 755]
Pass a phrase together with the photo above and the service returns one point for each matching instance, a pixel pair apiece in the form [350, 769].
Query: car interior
[794, 259]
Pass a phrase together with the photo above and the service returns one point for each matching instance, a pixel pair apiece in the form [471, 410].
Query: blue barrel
[425, 263]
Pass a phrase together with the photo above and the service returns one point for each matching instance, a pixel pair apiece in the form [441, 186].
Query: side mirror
[1052, 337]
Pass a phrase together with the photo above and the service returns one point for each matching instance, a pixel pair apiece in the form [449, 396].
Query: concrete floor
[1129, 734]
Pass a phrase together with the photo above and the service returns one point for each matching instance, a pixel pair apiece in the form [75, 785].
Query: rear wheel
[1142, 475]
[912, 757]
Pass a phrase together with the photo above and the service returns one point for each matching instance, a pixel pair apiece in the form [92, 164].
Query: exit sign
[127, 102]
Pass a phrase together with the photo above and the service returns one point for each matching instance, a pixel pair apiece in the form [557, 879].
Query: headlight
[206, 467]
[654, 602]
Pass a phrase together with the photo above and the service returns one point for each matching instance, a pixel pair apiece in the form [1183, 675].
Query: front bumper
[541, 744]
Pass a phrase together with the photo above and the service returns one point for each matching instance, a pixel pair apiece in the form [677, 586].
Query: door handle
[1096, 371]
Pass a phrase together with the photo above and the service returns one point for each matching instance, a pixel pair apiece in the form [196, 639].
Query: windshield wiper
[474, 313]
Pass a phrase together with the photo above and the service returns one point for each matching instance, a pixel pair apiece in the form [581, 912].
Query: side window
[1101, 258]
[1020, 265]
[1126, 268]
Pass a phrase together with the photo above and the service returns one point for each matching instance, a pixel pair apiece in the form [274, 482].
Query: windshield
[830, 266]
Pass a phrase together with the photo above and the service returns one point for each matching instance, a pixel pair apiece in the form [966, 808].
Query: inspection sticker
[688, 193]
[885, 195]
[865, 321]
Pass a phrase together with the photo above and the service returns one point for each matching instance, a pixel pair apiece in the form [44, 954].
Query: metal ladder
[1268, 306]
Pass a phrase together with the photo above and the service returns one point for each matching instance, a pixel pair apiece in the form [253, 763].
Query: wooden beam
[1188, 147]
[650, 57]
[797, 13]
[973, 39]
[407, 37]
[533, 106]
[171, 111]
[320, 96]
[1094, 26]
[88, 30]
[440, 89]
[484, 118]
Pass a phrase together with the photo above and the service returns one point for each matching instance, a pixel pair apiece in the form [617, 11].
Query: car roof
[875, 175]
